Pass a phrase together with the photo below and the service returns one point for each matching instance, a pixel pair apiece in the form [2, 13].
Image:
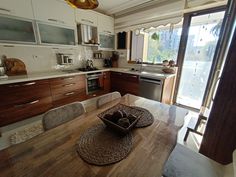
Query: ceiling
[111, 7]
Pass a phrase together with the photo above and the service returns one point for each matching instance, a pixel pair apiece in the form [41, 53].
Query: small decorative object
[155, 37]
[172, 63]
[165, 63]
[169, 70]
[121, 118]
[83, 4]
[124, 122]
[169, 66]
[14, 66]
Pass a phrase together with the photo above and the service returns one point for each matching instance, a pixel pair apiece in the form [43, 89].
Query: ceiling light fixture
[83, 4]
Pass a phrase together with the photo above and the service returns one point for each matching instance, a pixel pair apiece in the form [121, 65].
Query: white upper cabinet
[54, 11]
[87, 17]
[19, 8]
[105, 24]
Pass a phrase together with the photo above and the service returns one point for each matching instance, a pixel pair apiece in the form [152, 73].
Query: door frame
[183, 45]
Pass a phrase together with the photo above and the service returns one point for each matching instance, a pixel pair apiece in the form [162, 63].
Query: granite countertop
[56, 74]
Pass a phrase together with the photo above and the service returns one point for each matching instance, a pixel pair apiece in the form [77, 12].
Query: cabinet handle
[68, 78]
[55, 20]
[85, 20]
[107, 32]
[22, 85]
[6, 10]
[26, 104]
[68, 85]
[70, 93]
[133, 76]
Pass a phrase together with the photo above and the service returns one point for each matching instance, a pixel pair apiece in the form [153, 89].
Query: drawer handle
[6, 10]
[84, 20]
[68, 85]
[26, 104]
[55, 20]
[70, 93]
[68, 78]
[21, 85]
[133, 76]
[107, 32]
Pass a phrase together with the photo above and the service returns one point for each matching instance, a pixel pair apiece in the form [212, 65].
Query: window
[156, 44]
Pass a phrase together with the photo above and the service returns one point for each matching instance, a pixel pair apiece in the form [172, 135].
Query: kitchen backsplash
[43, 59]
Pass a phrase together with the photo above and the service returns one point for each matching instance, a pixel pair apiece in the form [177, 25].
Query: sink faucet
[141, 66]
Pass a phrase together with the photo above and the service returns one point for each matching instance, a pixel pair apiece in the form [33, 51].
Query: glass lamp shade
[83, 4]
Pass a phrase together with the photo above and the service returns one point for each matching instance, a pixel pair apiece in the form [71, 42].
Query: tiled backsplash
[41, 59]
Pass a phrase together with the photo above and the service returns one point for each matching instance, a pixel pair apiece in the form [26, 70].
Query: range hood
[87, 35]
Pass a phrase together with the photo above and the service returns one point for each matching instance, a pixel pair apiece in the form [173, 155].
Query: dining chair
[63, 114]
[183, 162]
[107, 98]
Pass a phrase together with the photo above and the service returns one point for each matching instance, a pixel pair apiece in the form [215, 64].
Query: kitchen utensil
[14, 67]
[2, 71]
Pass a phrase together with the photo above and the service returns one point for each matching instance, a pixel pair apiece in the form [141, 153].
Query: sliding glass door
[201, 44]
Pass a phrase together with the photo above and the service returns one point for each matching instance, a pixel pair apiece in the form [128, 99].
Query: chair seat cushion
[184, 162]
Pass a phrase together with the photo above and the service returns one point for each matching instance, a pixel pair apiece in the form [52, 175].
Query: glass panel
[202, 40]
[14, 30]
[107, 41]
[163, 43]
[56, 35]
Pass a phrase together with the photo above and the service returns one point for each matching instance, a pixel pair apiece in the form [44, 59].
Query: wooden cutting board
[14, 67]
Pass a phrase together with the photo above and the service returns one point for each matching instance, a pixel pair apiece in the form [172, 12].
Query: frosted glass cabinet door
[50, 34]
[107, 41]
[16, 30]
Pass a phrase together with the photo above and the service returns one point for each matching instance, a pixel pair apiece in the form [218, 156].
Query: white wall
[41, 59]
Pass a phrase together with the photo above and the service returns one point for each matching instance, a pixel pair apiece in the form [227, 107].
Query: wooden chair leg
[186, 135]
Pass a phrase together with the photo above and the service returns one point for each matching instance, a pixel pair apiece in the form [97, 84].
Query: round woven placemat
[146, 118]
[99, 146]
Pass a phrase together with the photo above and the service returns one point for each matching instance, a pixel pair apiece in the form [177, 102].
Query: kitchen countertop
[56, 74]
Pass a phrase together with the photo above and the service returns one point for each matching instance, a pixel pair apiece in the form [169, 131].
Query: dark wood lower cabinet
[68, 89]
[125, 83]
[20, 101]
[24, 100]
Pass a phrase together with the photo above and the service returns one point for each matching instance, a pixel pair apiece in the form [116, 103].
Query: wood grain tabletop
[53, 153]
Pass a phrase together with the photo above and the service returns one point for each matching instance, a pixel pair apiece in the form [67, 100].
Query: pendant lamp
[83, 4]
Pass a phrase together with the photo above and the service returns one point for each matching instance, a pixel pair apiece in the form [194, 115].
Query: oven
[94, 82]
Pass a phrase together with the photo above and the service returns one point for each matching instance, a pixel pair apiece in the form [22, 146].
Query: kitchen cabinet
[51, 34]
[105, 24]
[18, 8]
[54, 11]
[107, 81]
[107, 42]
[68, 89]
[87, 17]
[106, 35]
[16, 30]
[24, 100]
[125, 83]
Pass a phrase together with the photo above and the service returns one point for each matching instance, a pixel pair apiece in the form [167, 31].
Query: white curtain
[166, 12]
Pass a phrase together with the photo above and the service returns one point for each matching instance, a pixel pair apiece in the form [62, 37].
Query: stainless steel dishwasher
[150, 88]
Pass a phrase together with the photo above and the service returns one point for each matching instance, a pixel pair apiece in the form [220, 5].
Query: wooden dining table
[54, 152]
